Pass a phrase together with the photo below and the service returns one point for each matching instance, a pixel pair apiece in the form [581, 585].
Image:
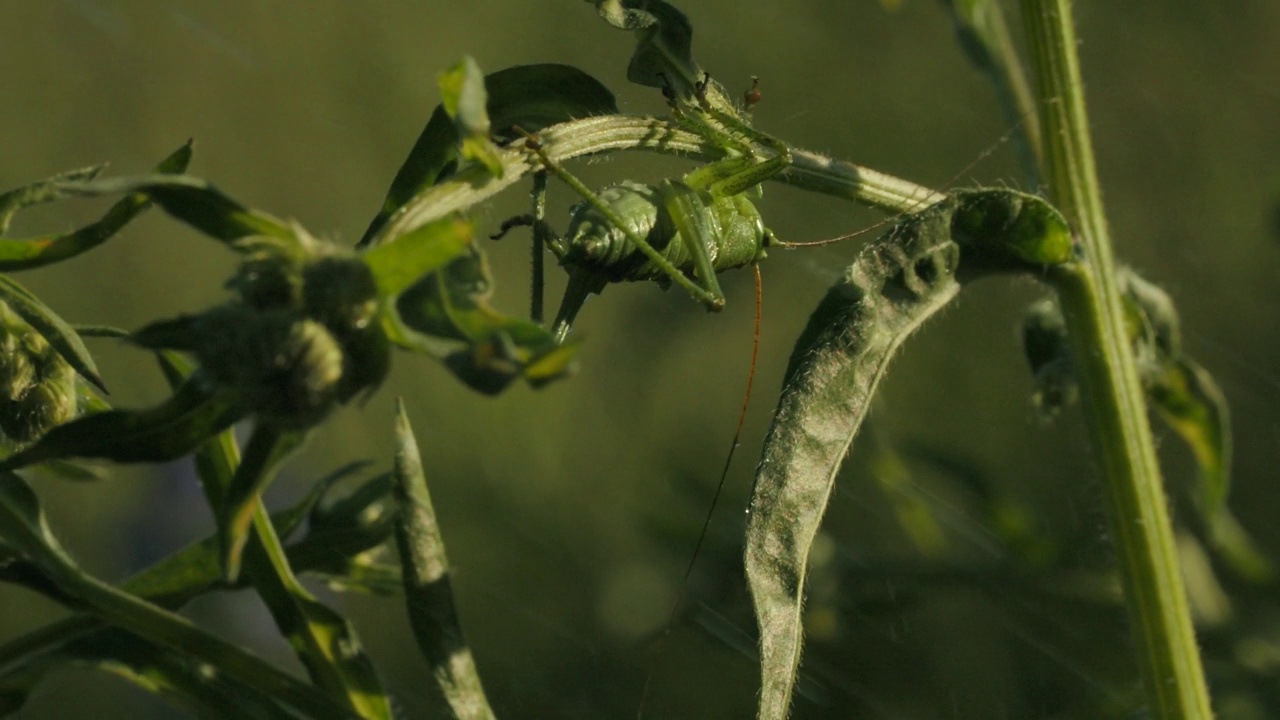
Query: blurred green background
[570, 512]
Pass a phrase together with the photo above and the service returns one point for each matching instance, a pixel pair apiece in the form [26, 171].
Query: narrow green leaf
[54, 329]
[463, 97]
[428, 589]
[362, 575]
[268, 447]
[43, 191]
[529, 96]
[984, 35]
[100, 331]
[323, 640]
[195, 202]
[27, 253]
[446, 315]
[160, 434]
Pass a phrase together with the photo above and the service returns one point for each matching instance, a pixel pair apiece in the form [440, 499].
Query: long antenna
[915, 208]
[715, 498]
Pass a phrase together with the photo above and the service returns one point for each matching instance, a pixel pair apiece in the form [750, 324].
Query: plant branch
[608, 133]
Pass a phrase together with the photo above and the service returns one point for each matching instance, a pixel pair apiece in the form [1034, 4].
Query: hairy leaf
[896, 284]
[893, 287]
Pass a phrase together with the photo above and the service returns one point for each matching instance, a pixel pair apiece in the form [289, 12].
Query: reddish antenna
[715, 498]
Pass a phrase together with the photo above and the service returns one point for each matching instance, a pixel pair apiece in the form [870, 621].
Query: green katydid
[683, 231]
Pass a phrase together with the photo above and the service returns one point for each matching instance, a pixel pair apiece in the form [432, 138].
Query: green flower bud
[50, 403]
[340, 292]
[285, 366]
[37, 387]
[268, 280]
[299, 385]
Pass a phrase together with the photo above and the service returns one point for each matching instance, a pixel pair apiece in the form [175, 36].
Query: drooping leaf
[195, 202]
[160, 434]
[664, 43]
[984, 35]
[26, 253]
[528, 96]
[54, 329]
[894, 286]
[427, 587]
[362, 575]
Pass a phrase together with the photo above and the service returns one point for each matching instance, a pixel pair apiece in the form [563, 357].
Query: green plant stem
[1167, 653]
[117, 607]
[608, 133]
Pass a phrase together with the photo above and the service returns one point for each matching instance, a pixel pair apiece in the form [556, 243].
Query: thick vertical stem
[1113, 399]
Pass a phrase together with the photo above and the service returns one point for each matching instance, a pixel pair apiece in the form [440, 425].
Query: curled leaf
[896, 284]
[26, 253]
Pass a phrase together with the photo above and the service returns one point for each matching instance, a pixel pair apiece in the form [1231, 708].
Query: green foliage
[310, 326]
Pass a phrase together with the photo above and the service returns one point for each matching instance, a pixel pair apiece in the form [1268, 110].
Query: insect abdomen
[594, 241]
